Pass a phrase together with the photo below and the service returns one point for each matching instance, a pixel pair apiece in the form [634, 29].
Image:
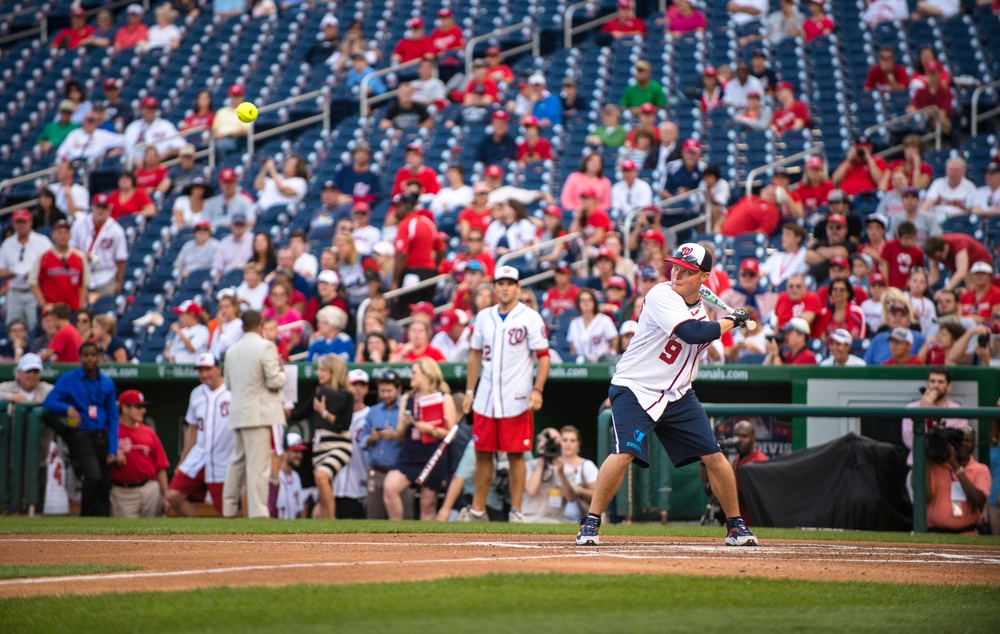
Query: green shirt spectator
[644, 90]
[55, 132]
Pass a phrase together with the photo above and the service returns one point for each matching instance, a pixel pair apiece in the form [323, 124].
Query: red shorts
[196, 487]
[512, 434]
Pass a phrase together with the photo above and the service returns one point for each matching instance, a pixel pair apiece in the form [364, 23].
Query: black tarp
[853, 482]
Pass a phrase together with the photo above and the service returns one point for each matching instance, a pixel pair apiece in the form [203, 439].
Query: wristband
[960, 471]
[535, 389]
[470, 391]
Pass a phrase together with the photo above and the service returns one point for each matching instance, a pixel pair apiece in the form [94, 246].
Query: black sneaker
[740, 535]
[588, 536]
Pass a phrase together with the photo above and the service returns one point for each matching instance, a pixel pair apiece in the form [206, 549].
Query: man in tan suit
[254, 376]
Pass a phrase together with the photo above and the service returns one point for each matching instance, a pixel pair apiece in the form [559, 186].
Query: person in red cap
[684, 173]
[447, 36]
[133, 33]
[18, 256]
[78, 30]
[198, 253]
[631, 192]
[227, 129]
[499, 146]
[861, 170]
[624, 24]
[562, 296]
[139, 477]
[748, 292]
[481, 90]
[647, 122]
[478, 215]
[814, 186]
[590, 218]
[497, 71]
[934, 93]
[415, 170]
[417, 346]
[65, 344]
[872, 307]
[188, 335]
[792, 114]
[453, 337]
[711, 92]
[840, 269]
[534, 148]
[104, 241]
[61, 274]
[152, 128]
[414, 45]
[756, 116]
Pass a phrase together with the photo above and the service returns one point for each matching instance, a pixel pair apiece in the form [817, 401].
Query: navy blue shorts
[684, 429]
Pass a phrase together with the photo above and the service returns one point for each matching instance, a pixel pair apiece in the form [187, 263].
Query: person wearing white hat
[27, 386]
[625, 334]
[188, 336]
[291, 498]
[839, 343]
[350, 486]
[795, 350]
[982, 297]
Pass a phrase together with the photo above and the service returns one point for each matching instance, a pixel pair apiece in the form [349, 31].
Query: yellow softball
[246, 111]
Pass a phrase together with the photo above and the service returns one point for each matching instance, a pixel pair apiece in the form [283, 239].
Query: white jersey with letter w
[658, 366]
[208, 410]
[508, 345]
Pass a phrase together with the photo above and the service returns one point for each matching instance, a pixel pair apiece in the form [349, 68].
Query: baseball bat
[436, 456]
[709, 296]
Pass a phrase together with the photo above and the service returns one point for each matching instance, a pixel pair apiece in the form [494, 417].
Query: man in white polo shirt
[839, 343]
[151, 128]
[103, 240]
[18, 255]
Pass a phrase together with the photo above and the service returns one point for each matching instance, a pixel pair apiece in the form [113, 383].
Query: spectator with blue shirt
[547, 106]
[331, 321]
[357, 183]
[684, 173]
[358, 72]
[896, 313]
[88, 400]
[379, 436]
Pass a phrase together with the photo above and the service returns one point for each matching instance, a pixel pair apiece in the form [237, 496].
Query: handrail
[818, 148]
[535, 43]
[906, 117]
[506, 257]
[364, 101]
[363, 306]
[661, 205]
[975, 105]
[323, 116]
[130, 156]
[23, 178]
[42, 29]
[209, 152]
[28, 204]
[569, 30]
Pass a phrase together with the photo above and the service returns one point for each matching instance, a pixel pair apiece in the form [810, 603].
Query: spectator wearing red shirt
[416, 170]
[840, 269]
[647, 121]
[447, 36]
[900, 347]
[819, 23]
[842, 311]
[417, 346]
[481, 90]
[886, 75]
[152, 175]
[746, 453]
[591, 220]
[494, 69]
[797, 301]
[792, 114]
[899, 256]
[814, 187]
[918, 174]
[474, 275]
[65, 344]
[957, 252]
[534, 148]
[139, 478]
[414, 45]
[861, 170]
[478, 215]
[128, 199]
[625, 24]
[415, 240]
[474, 254]
[203, 113]
[562, 296]
[982, 297]
[935, 93]
[77, 31]
[795, 350]
[753, 213]
[62, 274]
[133, 32]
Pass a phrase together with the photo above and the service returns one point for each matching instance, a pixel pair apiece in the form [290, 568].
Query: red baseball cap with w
[691, 256]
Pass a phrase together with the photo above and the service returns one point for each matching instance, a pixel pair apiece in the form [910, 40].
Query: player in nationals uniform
[507, 338]
[651, 393]
[208, 441]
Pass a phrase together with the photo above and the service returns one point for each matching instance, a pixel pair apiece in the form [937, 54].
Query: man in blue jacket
[88, 400]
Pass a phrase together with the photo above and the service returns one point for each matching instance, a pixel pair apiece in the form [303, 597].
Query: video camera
[548, 446]
[938, 440]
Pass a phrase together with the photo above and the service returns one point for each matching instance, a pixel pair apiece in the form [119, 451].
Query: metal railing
[364, 101]
[9, 182]
[975, 105]
[661, 205]
[534, 44]
[399, 292]
[788, 160]
[140, 148]
[936, 135]
[569, 237]
[569, 30]
[323, 116]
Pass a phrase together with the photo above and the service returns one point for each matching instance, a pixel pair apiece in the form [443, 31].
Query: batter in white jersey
[103, 240]
[651, 393]
[208, 441]
[507, 339]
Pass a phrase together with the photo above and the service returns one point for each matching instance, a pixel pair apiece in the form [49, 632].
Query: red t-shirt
[942, 98]
[815, 28]
[449, 40]
[813, 196]
[129, 37]
[804, 357]
[476, 219]
[982, 307]
[489, 87]
[628, 25]
[598, 219]
[415, 237]
[858, 178]
[409, 49]
[194, 119]
[749, 214]
[447, 266]
[754, 456]
[426, 175]
[854, 322]
[901, 164]
[66, 345]
[501, 72]
[784, 118]
[60, 280]
[877, 80]
[630, 137]
[72, 37]
[559, 302]
[785, 308]
[913, 360]
[900, 261]
[313, 306]
[960, 242]
[860, 295]
[429, 352]
[540, 151]
[150, 179]
[144, 455]
[131, 206]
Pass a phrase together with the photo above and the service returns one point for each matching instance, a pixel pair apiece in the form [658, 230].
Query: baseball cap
[494, 171]
[647, 108]
[110, 84]
[750, 264]
[149, 102]
[445, 13]
[480, 188]
[864, 257]
[649, 273]
[501, 114]
[933, 66]
[475, 265]
[132, 397]
[628, 165]
[188, 306]
[21, 214]
[61, 224]
[901, 335]
[862, 140]
[413, 147]
[536, 80]
[624, 4]
[531, 121]
[190, 150]
[227, 175]
[840, 261]
[206, 360]
[655, 236]
[554, 210]
[898, 307]
[507, 273]
[29, 362]
[425, 308]
[692, 144]
[236, 90]
[910, 191]
[798, 325]
[753, 93]
[836, 196]
[981, 267]
[605, 253]
[329, 20]
[568, 81]
[389, 376]
[67, 105]
[588, 192]
[135, 8]
[415, 23]
[452, 317]
[781, 170]
[710, 71]
[493, 50]
[203, 224]
[992, 168]
[629, 327]
[328, 276]
[78, 11]
[564, 269]
[783, 85]
[841, 335]
[358, 376]
[99, 200]
[879, 218]
[225, 292]
[814, 162]
[617, 281]
[239, 219]
[692, 257]
[362, 207]
[294, 442]
[836, 219]
[876, 278]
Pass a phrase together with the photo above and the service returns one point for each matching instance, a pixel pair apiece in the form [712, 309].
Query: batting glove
[739, 317]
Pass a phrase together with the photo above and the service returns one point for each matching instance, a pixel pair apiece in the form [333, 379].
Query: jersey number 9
[669, 354]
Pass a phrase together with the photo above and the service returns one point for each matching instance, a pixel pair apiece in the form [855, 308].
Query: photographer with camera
[789, 345]
[934, 394]
[547, 490]
[957, 485]
[861, 170]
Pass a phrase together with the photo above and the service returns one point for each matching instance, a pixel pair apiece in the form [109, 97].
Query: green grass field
[60, 570]
[513, 603]
[212, 526]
